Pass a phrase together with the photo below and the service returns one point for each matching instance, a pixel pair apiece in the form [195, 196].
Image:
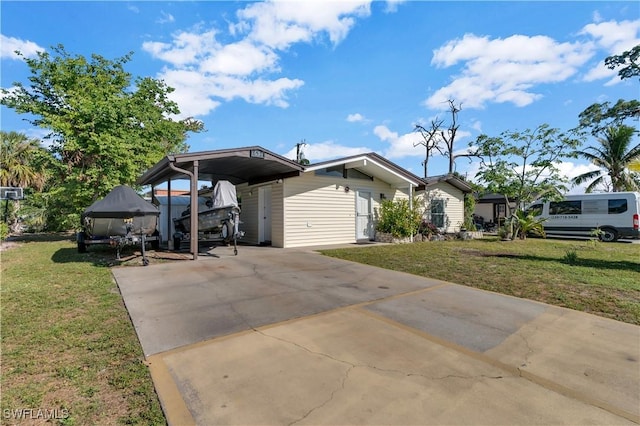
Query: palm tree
[613, 157]
[16, 155]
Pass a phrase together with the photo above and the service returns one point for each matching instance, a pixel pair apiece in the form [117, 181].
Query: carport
[252, 165]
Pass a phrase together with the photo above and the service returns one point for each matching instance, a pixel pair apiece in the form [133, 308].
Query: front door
[264, 210]
[364, 222]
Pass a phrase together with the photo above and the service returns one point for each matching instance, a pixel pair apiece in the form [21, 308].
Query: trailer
[219, 223]
[120, 219]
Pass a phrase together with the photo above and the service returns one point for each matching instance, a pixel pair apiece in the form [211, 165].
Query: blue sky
[346, 76]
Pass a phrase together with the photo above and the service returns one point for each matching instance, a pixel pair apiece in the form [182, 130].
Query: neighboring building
[492, 208]
[286, 204]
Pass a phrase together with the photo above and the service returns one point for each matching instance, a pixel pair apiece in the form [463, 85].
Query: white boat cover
[224, 195]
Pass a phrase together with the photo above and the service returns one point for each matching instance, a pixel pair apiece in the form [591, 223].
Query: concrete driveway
[284, 336]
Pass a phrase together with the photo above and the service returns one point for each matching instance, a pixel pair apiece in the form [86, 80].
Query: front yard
[598, 278]
[69, 348]
[70, 354]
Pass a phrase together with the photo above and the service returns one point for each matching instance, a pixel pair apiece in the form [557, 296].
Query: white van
[615, 214]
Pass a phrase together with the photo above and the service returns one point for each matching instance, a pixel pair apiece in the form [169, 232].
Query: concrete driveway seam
[512, 370]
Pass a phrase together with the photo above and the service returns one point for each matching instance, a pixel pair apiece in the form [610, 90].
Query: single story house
[286, 204]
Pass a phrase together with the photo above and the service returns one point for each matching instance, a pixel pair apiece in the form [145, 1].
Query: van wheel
[608, 235]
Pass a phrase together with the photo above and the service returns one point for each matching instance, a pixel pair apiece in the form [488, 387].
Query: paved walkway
[277, 336]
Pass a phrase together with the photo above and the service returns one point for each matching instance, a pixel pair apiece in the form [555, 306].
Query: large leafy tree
[105, 127]
[524, 165]
[613, 155]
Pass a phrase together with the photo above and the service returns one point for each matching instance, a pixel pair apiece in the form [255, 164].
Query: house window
[336, 171]
[341, 171]
[437, 213]
[357, 174]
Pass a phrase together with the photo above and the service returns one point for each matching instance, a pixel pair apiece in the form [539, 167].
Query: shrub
[4, 230]
[427, 228]
[398, 218]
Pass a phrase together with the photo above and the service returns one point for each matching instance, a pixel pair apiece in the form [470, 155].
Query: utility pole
[299, 154]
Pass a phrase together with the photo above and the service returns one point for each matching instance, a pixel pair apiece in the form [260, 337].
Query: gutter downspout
[411, 202]
[194, 203]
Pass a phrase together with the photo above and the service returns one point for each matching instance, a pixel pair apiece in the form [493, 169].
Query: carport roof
[252, 164]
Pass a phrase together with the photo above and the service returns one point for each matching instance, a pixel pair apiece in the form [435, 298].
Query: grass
[68, 345]
[598, 278]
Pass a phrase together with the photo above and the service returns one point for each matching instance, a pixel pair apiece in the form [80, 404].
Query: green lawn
[68, 345]
[599, 278]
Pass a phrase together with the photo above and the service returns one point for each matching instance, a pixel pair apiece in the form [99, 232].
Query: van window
[535, 210]
[618, 205]
[565, 207]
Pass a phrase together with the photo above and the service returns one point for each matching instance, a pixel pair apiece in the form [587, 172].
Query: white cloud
[328, 150]
[504, 70]
[242, 58]
[597, 17]
[165, 18]
[197, 94]
[408, 144]
[392, 6]
[569, 169]
[614, 38]
[192, 92]
[8, 46]
[354, 118]
[280, 24]
[477, 126]
[245, 67]
[187, 48]
[399, 145]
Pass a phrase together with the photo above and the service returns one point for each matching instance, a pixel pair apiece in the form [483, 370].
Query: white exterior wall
[249, 213]
[453, 204]
[277, 215]
[318, 210]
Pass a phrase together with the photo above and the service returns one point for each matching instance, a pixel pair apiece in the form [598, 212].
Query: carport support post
[194, 210]
[169, 234]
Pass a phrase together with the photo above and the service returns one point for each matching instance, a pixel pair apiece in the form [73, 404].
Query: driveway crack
[328, 400]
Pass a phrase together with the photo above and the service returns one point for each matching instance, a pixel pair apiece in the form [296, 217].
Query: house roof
[451, 179]
[252, 164]
[373, 164]
[492, 197]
